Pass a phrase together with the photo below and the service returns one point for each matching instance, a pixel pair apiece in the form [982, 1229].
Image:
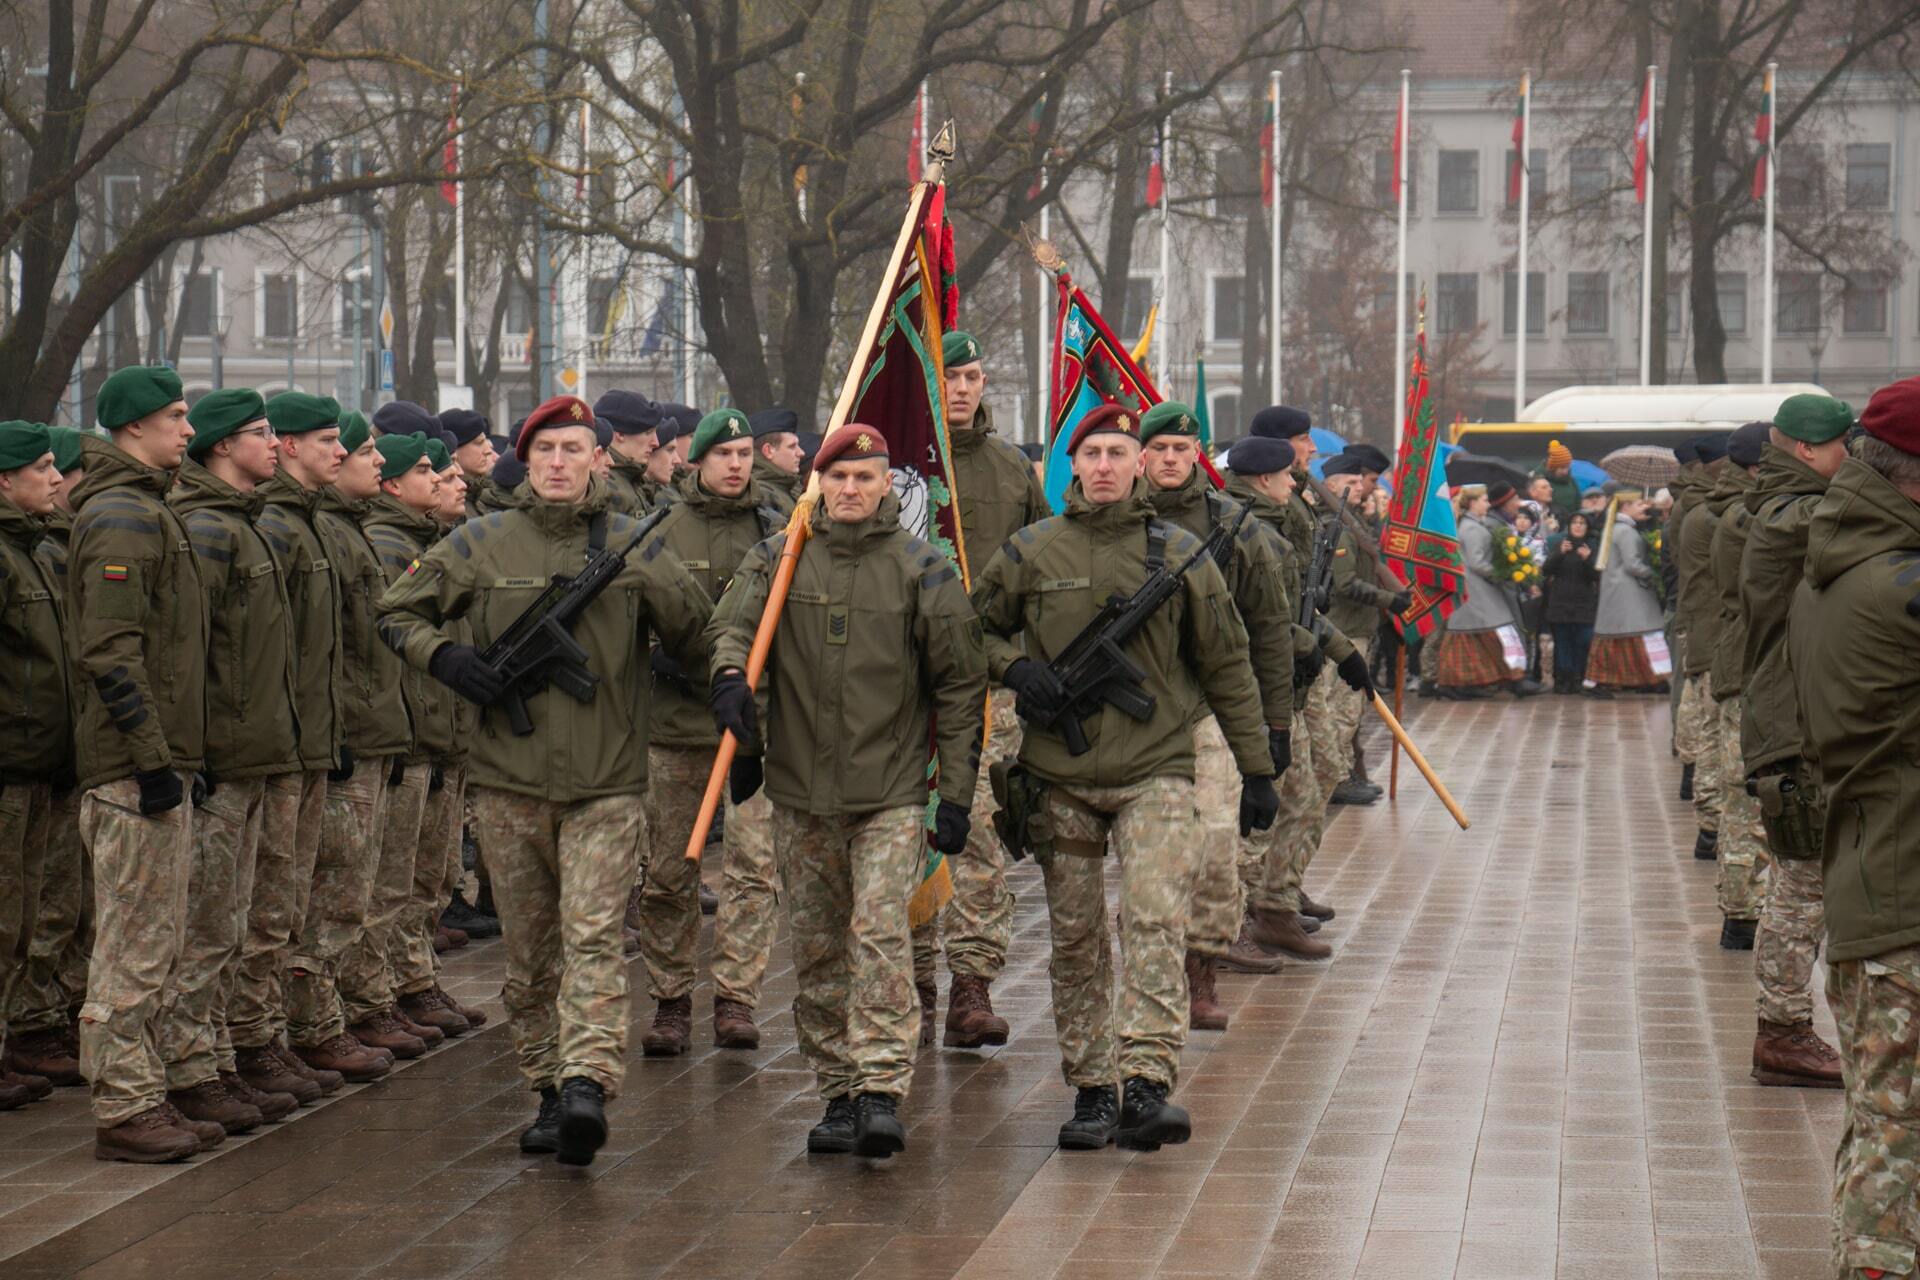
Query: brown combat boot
[148, 1138]
[45, 1053]
[260, 1069]
[210, 1133]
[476, 1019]
[348, 1057]
[733, 1025]
[971, 1021]
[1248, 956]
[427, 1034]
[1203, 1005]
[384, 1031]
[329, 1081]
[929, 1008]
[1790, 1054]
[1281, 931]
[672, 1031]
[423, 1008]
[273, 1107]
[209, 1101]
[37, 1087]
[13, 1096]
[1308, 907]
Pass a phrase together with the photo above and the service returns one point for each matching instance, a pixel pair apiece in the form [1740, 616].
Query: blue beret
[464, 425]
[627, 413]
[1745, 445]
[1259, 456]
[1281, 422]
[773, 421]
[1711, 448]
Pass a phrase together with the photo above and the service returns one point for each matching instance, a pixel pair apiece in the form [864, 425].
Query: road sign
[455, 396]
[386, 323]
[386, 370]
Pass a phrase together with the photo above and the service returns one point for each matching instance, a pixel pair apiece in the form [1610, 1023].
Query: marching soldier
[140, 641]
[1682, 488]
[1182, 496]
[1133, 789]
[631, 419]
[557, 807]
[777, 453]
[877, 643]
[1697, 733]
[1357, 607]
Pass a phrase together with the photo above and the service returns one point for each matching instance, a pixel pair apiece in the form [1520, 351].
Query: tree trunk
[1705, 223]
[1666, 170]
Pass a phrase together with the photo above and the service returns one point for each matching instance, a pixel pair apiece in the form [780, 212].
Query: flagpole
[1766, 253]
[1273, 236]
[1400, 272]
[459, 274]
[688, 376]
[1646, 250]
[586, 266]
[1520, 285]
[1166, 292]
[1043, 400]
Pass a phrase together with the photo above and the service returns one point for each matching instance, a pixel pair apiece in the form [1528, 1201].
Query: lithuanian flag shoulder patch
[415, 566]
[114, 572]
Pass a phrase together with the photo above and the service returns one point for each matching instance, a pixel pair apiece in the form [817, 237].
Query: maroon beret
[561, 411]
[1893, 415]
[1119, 419]
[850, 443]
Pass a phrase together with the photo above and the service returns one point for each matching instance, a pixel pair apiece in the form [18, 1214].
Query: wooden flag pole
[1419, 761]
[1399, 693]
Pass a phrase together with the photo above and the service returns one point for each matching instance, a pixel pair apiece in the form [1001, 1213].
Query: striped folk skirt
[1620, 662]
[1472, 659]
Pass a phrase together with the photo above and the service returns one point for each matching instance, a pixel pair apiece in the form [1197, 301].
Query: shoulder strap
[1157, 534]
[597, 533]
[771, 521]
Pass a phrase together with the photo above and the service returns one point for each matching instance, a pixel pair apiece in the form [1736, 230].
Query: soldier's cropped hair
[1897, 465]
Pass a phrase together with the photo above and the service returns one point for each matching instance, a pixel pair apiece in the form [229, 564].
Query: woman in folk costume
[1473, 654]
[1629, 612]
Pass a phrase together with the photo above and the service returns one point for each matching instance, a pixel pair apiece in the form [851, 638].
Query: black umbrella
[1475, 468]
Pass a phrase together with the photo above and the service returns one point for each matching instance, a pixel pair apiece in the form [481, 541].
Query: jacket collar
[1127, 512]
[111, 467]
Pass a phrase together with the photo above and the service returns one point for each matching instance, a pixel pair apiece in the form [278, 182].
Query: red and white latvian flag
[1763, 134]
[1641, 129]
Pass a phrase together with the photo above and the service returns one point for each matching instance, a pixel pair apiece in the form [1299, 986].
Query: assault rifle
[1094, 668]
[1316, 587]
[538, 648]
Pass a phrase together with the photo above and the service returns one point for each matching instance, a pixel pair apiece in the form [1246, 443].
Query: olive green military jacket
[1853, 631]
[487, 497]
[711, 536]
[1782, 502]
[1251, 567]
[1045, 584]
[1723, 557]
[1280, 518]
[1357, 596]
[774, 480]
[138, 618]
[1699, 596]
[487, 572]
[251, 727]
[998, 491]
[287, 521]
[372, 705]
[50, 551]
[1684, 489]
[628, 490]
[878, 654]
[400, 535]
[36, 681]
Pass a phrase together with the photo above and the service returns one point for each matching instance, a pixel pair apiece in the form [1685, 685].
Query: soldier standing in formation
[1696, 732]
[776, 452]
[632, 419]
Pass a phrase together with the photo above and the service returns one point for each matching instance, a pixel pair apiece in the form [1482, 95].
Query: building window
[1328, 176]
[280, 306]
[1536, 302]
[1133, 315]
[1383, 297]
[1676, 302]
[1589, 175]
[1587, 299]
[1459, 181]
[1536, 179]
[1799, 305]
[356, 295]
[1226, 316]
[1797, 183]
[1456, 302]
[520, 402]
[200, 303]
[1383, 179]
[1225, 414]
[1863, 306]
[1869, 175]
[520, 308]
[1731, 286]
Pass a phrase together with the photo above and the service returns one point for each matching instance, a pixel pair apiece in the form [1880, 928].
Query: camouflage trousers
[141, 867]
[1876, 1214]
[1217, 905]
[1146, 826]
[55, 980]
[745, 924]
[1743, 837]
[1698, 736]
[1333, 715]
[976, 925]
[336, 916]
[561, 875]
[226, 834]
[1266, 857]
[848, 878]
[670, 885]
[1788, 941]
[26, 809]
[436, 869]
[366, 972]
[291, 817]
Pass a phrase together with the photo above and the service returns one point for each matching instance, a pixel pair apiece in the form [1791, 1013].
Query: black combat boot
[833, 1136]
[583, 1120]
[1147, 1120]
[1706, 846]
[542, 1137]
[1096, 1116]
[1686, 782]
[1737, 935]
[877, 1131]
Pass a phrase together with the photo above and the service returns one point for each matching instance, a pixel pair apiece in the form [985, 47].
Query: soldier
[1182, 496]
[506, 487]
[1697, 731]
[663, 464]
[140, 640]
[557, 807]
[1854, 627]
[877, 648]
[472, 447]
[36, 732]
[1133, 789]
[1682, 488]
[777, 454]
[631, 419]
[1358, 606]
[716, 516]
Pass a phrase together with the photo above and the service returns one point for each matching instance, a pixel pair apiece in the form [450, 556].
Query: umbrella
[1325, 445]
[1474, 468]
[1588, 475]
[1642, 464]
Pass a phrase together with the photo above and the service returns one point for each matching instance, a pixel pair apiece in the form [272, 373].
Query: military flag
[1421, 543]
[1643, 140]
[1763, 134]
[1269, 151]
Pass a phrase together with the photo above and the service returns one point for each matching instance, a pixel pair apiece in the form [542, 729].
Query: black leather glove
[1306, 668]
[733, 709]
[662, 664]
[951, 823]
[398, 773]
[1402, 600]
[160, 790]
[344, 770]
[436, 778]
[459, 667]
[1259, 804]
[1353, 670]
[1038, 692]
[744, 778]
[202, 788]
[1280, 747]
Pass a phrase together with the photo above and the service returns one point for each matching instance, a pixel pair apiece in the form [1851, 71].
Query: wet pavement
[1528, 1058]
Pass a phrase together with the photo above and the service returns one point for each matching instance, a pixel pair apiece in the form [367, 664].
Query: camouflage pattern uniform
[1876, 1011]
[25, 810]
[669, 905]
[1697, 737]
[292, 811]
[365, 974]
[436, 874]
[745, 925]
[193, 1023]
[1743, 837]
[1219, 902]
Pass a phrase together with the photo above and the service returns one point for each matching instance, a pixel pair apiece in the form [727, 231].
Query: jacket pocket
[1057, 609]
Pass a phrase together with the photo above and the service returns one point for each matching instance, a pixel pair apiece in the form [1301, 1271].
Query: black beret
[810, 443]
[1744, 445]
[1259, 455]
[509, 471]
[1711, 448]
[405, 418]
[685, 416]
[602, 431]
[513, 434]
[1372, 457]
[1685, 452]
[464, 425]
[772, 421]
[1280, 422]
[627, 413]
[1346, 464]
[666, 433]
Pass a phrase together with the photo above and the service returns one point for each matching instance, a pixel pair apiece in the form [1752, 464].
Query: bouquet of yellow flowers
[1513, 562]
[1656, 547]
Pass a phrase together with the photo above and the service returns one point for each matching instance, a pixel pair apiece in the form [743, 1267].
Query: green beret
[1170, 418]
[354, 430]
[132, 393]
[959, 348]
[221, 413]
[398, 454]
[437, 451]
[716, 428]
[22, 444]
[1813, 419]
[66, 447]
[294, 413]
